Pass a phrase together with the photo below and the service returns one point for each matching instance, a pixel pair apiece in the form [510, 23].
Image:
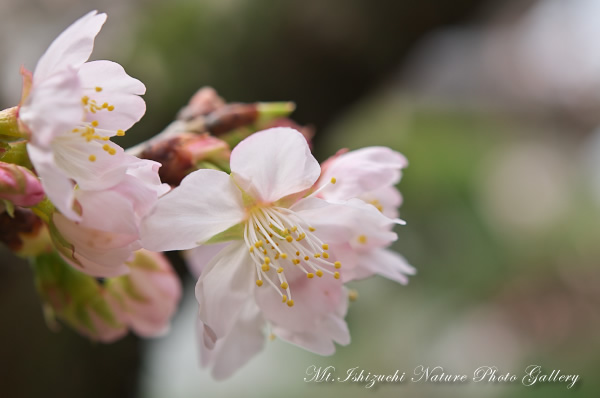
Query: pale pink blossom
[71, 109]
[274, 249]
[368, 177]
[19, 185]
[103, 241]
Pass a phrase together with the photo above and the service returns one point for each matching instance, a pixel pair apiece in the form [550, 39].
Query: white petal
[361, 171]
[388, 264]
[96, 253]
[52, 107]
[72, 47]
[57, 186]
[224, 286]
[206, 203]
[198, 257]
[118, 90]
[243, 342]
[274, 163]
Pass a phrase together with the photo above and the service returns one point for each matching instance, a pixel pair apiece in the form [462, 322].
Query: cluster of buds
[272, 235]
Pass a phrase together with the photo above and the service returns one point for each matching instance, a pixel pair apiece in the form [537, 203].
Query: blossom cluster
[272, 235]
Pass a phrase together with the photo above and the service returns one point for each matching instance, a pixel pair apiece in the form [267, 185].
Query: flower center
[92, 130]
[277, 238]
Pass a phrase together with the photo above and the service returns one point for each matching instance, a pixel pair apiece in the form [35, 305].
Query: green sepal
[71, 294]
[16, 153]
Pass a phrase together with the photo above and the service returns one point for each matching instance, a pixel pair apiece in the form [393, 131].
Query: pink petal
[206, 203]
[274, 163]
[198, 257]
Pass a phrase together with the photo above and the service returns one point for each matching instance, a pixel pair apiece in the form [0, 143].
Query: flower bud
[185, 153]
[19, 185]
[205, 101]
[76, 299]
[147, 297]
[24, 233]
[9, 125]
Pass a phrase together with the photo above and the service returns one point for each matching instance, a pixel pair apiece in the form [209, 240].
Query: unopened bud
[9, 125]
[24, 233]
[205, 101]
[185, 153]
[147, 297]
[19, 185]
[77, 299]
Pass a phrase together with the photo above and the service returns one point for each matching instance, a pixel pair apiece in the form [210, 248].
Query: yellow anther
[84, 100]
[337, 265]
[310, 275]
[362, 239]
[284, 285]
[297, 253]
[290, 303]
[120, 133]
[258, 244]
[106, 147]
[265, 252]
[92, 158]
[76, 130]
[333, 180]
[270, 235]
[279, 270]
[284, 255]
[251, 249]
[300, 237]
[289, 238]
[95, 123]
[284, 298]
[271, 226]
[112, 151]
[325, 246]
[259, 282]
[265, 267]
[286, 231]
[336, 275]
[294, 228]
[276, 256]
[306, 258]
[325, 255]
[319, 273]
[98, 89]
[311, 229]
[267, 260]
[111, 108]
[317, 255]
[105, 105]
[352, 295]
[296, 261]
[105, 138]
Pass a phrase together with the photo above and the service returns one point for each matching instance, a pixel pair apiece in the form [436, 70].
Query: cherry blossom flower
[368, 175]
[103, 241]
[276, 268]
[72, 108]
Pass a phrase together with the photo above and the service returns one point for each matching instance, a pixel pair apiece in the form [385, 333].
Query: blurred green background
[494, 103]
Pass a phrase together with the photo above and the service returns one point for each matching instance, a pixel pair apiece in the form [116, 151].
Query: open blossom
[368, 175]
[273, 265]
[72, 108]
[102, 242]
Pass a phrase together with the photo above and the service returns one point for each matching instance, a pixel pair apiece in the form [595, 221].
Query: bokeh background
[496, 104]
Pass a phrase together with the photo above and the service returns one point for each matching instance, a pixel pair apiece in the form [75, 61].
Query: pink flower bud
[19, 185]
